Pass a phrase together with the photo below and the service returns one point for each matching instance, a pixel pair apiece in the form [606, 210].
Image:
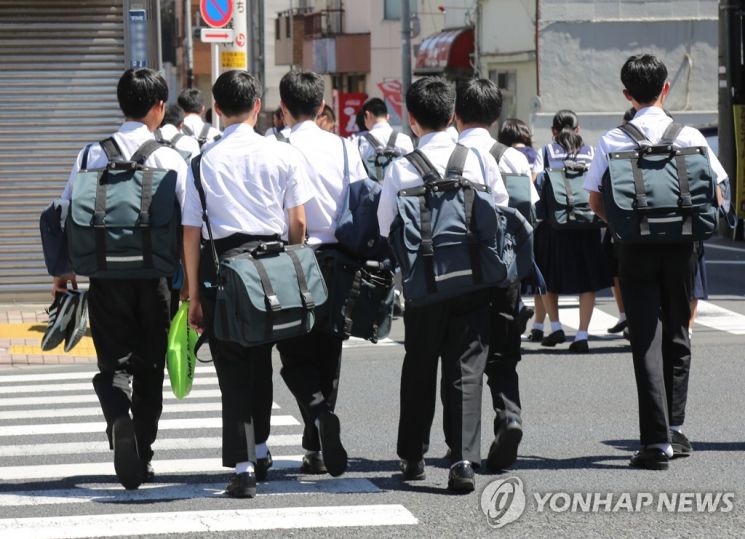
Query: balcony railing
[323, 23]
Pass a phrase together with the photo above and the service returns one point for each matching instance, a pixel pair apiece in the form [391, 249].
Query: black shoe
[536, 335]
[262, 466]
[626, 334]
[523, 317]
[461, 478]
[77, 326]
[313, 464]
[61, 313]
[127, 463]
[650, 458]
[412, 470]
[242, 485]
[619, 327]
[508, 432]
[333, 453]
[148, 474]
[681, 445]
[557, 337]
[579, 347]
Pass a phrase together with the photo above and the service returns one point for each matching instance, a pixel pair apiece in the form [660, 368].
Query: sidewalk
[21, 329]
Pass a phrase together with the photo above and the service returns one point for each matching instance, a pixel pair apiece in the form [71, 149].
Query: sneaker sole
[654, 466]
[55, 335]
[127, 463]
[333, 452]
[80, 322]
[503, 455]
[680, 452]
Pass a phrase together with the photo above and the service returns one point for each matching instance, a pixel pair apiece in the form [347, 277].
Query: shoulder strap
[187, 130]
[159, 135]
[279, 136]
[456, 162]
[205, 133]
[84, 160]
[391, 144]
[346, 161]
[144, 151]
[671, 133]
[374, 142]
[111, 149]
[498, 151]
[423, 166]
[176, 138]
[196, 170]
[635, 134]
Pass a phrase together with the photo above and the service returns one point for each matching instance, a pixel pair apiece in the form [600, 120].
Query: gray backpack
[565, 200]
[518, 186]
[383, 155]
[124, 219]
[172, 143]
[658, 193]
[203, 134]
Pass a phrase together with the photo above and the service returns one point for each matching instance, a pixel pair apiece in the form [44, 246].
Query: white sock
[667, 448]
[677, 428]
[690, 333]
[243, 467]
[311, 453]
[261, 451]
[580, 336]
[622, 317]
[538, 327]
[555, 326]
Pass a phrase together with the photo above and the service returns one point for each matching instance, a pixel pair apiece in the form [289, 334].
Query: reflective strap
[99, 220]
[144, 222]
[570, 196]
[354, 294]
[270, 298]
[474, 253]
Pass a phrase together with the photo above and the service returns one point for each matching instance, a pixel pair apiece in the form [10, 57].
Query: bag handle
[196, 172]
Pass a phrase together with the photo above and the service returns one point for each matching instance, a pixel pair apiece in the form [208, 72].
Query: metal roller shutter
[59, 65]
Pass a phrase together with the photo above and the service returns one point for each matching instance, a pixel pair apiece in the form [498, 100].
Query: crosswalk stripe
[82, 386]
[354, 342]
[163, 424]
[599, 323]
[113, 492]
[94, 411]
[167, 466]
[161, 444]
[719, 318]
[90, 396]
[73, 527]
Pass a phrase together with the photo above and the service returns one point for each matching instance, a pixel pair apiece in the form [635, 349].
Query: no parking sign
[216, 13]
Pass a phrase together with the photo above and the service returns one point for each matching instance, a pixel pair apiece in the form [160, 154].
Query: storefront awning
[446, 52]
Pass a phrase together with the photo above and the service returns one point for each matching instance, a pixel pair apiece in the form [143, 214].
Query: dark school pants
[311, 366]
[656, 283]
[129, 321]
[456, 330]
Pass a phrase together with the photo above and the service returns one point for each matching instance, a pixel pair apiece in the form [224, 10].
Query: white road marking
[113, 492]
[719, 318]
[354, 342]
[162, 467]
[723, 248]
[161, 444]
[164, 424]
[725, 262]
[205, 521]
[83, 386]
[599, 323]
[90, 396]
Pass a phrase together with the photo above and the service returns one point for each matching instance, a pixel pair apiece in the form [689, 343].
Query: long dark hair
[566, 123]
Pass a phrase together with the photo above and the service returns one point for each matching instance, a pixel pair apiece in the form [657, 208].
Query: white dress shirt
[512, 161]
[652, 121]
[196, 124]
[272, 132]
[249, 183]
[184, 144]
[323, 160]
[382, 132]
[129, 138]
[437, 147]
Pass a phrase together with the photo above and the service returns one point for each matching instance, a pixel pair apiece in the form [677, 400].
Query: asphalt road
[580, 421]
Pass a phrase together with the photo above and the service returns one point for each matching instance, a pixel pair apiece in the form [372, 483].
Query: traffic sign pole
[215, 74]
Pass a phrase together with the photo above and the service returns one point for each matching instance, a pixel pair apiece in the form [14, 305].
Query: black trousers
[129, 320]
[504, 351]
[311, 365]
[457, 331]
[656, 283]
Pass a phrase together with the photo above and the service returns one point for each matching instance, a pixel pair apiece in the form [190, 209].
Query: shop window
[392, 9]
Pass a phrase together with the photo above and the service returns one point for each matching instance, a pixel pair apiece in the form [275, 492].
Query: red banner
[392, 96]
[348, 105]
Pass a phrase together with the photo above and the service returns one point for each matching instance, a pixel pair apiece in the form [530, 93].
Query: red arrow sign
[224, 35]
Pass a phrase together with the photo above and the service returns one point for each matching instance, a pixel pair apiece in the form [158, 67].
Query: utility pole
[189, 44]
[405, 61]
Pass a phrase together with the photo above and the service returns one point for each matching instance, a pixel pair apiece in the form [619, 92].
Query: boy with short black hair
[656, 279]
[129, 318]
[169, 133]
[380, 135]
[192, 101]
[456, 330]
[255, 190]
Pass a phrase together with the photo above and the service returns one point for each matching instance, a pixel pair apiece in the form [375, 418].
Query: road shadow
[590, 462]
[633, 445]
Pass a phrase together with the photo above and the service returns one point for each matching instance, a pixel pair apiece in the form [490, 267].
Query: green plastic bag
[181, 355]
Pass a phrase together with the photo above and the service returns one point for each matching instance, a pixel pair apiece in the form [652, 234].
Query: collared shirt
[323, 161]
[196, 124]
[512, 161]
[272, 132]
[184, 144]
[553, 156]
[438, 147]
[249, 183]
[129, 138]
[652, 121]
[382, 132]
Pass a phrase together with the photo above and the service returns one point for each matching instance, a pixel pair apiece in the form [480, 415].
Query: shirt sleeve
[594, 178]
[698, 139]
[182, 170]
[495, 181]
[357, 169]
[67, 192]
[191, 209]
[406, 144]
[296, 180]
[387, 206]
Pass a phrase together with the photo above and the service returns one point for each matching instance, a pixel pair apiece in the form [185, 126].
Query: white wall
[272, 73]
[507, 26]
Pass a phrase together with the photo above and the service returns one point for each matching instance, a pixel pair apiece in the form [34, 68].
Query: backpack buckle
[273, 302]
[685, 201]
[99, 220]
[144, 219]
[427, 248]
[308, 300]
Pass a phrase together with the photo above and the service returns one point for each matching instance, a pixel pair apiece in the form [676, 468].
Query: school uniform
[656, 282]
[129, 318]
[455, 330]
[382, 132]
[249, 183]
[186, 144]
[272, 132]
[311, 363]
[194, 125]
[572, 261]
[501, 367]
